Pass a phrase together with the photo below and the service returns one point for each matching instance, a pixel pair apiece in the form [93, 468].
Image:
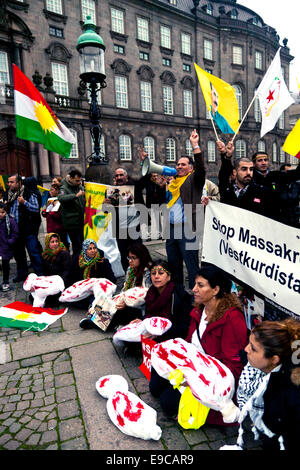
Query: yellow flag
[221, 101]
[95, 220]
[292, 142]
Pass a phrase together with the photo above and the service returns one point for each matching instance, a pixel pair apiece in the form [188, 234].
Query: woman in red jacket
[217, 328]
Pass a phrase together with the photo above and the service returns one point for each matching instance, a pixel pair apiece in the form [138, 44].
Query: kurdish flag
[221, 101]
[35, 120]
[292, 142]
[24, 316]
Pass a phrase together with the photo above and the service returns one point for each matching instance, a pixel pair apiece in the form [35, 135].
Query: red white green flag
[35, 120]
[24, 316]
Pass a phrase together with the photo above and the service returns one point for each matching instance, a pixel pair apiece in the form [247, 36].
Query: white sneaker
[5, 287]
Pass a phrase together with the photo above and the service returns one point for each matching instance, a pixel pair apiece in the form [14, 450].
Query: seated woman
[217, 327]
[137, 275]
[92, 262]
[168, 300]
[273, 397]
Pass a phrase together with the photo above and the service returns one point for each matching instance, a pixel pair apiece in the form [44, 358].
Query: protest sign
[147, 345]
[256, 250]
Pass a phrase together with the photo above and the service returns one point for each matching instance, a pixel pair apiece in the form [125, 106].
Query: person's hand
[142, 154]
[137, 320]
[120, 305]
[194, 138]
[221, 146]
[229, 149]
[21, 200]
[149, 336]
[80, 193]
[205, 201]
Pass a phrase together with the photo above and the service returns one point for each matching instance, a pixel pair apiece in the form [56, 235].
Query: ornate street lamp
[91, 49]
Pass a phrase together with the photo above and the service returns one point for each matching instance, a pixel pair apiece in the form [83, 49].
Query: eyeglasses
[132, 258]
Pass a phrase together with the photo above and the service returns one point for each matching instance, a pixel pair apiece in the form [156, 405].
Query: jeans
[76, 237]
[178, 250]
[32, 244]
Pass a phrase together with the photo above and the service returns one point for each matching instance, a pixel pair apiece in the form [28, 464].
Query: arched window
[211, 151]
[282, 156]
[257, 111]
[240, 149]
[188, 148]
[149, 147]
[74, 149]
[261, 146]
[234, 14]
[4, 70]
[125, 147]
[170, 150]
[239, 97]
[102, 145]
[209, 9]
[274, 152]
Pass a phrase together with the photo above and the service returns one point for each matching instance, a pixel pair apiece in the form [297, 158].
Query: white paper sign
[256, 250]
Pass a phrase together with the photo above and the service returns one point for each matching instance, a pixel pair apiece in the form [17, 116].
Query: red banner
[147, 345]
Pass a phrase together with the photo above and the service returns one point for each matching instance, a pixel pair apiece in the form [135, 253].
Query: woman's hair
[142, 253]
[164, 264]
[216, 277]
[276, 337]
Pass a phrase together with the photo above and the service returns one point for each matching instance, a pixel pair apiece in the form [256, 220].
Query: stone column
[33, 159]
[55, 164]
[44, 164]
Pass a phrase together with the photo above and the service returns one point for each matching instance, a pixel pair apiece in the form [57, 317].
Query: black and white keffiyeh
[249, 381]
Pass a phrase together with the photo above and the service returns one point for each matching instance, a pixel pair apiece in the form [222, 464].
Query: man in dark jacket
[24, 203]
[72, 200]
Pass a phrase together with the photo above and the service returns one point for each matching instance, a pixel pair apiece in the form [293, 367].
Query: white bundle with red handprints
[131, 333]
[132, 416]
[157, 326]
[134, 297]
[109, 384]
[210, 381]
[43, 286]
[104, 286]
[78, 291]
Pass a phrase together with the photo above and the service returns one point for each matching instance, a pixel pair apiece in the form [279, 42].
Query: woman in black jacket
[56, 259]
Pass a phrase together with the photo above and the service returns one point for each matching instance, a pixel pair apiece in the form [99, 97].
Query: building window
[240, 149]
[60, 79]
[125, 147]
[88, 7]
[234, 14]
[282, 156]
[121, 92]
[294, 160]
[167, 62]
[186, 43]
[261, 146]
[188, 148]
[209, 9]
[168, 99]
[258, 60]
[149, 147]
[187, 103]
[186, 68]
[239, 97]
[208, 49]
[146, 96]
[57, 32]
[165, 36]
[117, 21]
[74, 149]
[102, 145]
[281, 121]
[274, 152]
[119, 49]
[170, 150]
[211, 151]
[55, 6]
[237, 55]
[257, 111]
[4, 72]
[173, 2]
[143, 29]
[144, 56]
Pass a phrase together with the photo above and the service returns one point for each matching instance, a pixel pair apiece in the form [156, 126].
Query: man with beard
[242, 191]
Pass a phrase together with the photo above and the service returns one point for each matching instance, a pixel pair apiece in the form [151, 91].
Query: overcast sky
[284, 17]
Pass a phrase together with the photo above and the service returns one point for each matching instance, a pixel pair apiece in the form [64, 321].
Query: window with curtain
[187, 103]
[149, 147]
[143, 29]
[146, 97]
[121, 92]
[4, 71]
[211, 151]
[170, 150]
[117, 21]
[237, 55]
[55, 6]
[60, 79]
[168, 99]
[125, 147]
[88, 7]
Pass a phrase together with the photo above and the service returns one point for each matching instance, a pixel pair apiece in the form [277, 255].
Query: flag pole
[244, 117]
[213, 124]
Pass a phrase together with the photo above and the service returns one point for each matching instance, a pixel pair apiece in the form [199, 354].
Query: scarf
[85, 261]
[160, 305]
[49, 254]
[174, 188]
[13, 195]
[130, 278]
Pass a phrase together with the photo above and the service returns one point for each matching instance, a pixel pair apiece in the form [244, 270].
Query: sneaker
[5, 287]
[87, 324]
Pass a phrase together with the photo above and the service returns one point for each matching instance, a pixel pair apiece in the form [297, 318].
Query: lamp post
[90, 47]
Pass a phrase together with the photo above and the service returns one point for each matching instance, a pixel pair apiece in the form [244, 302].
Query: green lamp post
[90, 47]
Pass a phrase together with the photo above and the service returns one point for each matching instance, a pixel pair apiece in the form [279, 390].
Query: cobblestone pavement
[48, 398]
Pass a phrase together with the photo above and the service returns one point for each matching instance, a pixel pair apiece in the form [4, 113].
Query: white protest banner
[256, 250]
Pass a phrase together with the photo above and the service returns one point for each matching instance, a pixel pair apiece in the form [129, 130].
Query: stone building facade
[152, 98]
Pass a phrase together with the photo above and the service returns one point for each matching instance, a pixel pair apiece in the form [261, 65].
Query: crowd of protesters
[207, 313]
